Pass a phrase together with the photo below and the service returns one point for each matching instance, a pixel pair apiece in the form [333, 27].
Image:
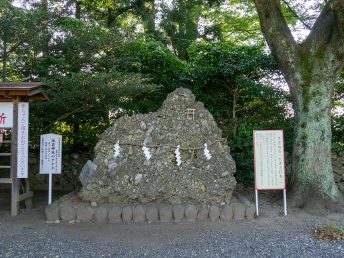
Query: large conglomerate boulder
[132, 178]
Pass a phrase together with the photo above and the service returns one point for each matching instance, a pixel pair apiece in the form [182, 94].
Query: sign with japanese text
[6, 115]
[269, 161]
[50, 154]
[23, 140]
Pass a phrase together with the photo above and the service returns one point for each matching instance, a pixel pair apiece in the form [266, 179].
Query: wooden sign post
[269, 163]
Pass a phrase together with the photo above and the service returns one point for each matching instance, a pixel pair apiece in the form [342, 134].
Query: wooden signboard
[269, 162]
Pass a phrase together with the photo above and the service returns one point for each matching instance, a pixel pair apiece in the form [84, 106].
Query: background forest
[101, 59]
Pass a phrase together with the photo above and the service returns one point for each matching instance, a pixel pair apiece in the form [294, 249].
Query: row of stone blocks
[82, 212]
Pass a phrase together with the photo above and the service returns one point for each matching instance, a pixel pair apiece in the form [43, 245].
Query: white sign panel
[269, 163]
[23, 140]
[6, 115]
[50, 154]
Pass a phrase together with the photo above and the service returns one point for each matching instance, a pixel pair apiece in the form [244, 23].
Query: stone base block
[191, 213]
[67, 213]
[226, 213]
[101, 215]
[84, 213]
[214, 213]
[139, 214]
[250, 212]
[52, 212]
[152, 213]
[165, 213]
[115, 215]
[203, 213]
[73, 212]
[239, 211]
[127, 214]
[178, 212]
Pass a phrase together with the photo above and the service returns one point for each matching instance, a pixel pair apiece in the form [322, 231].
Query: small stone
[127, 214]
[101, 215]
[250, 212]
[191, 213]
[178, 212]
[238, 211]
[115, 215]
[84, 213]
[224, 174]
[214, 213]
[139, 214]
[203, 213]
[165, 213]
[143, 125]
[138, 178]
[57, 221]
[67, 213]
[87, 171]
[75, 156]
[227, 212]
[94, 204]
[152, 213]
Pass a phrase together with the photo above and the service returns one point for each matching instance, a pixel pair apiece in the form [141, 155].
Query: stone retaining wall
[67, 210]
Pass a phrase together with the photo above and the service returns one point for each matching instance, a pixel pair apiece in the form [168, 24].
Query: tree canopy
[102, 59]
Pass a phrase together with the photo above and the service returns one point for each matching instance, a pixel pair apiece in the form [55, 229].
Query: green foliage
[80, 104]
[97, 62]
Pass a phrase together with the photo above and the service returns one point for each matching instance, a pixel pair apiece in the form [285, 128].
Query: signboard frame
[23, 140]
[283, 188]
[50, 164]
[46, 162]
[8, 115]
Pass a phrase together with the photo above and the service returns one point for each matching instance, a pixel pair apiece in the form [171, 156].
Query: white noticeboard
[50, 158]
[50, 154]
[23, 140]
[6, 115]
[269, 162]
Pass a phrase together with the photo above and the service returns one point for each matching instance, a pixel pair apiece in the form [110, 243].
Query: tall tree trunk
[45, 28]
[4, 60]
[78, 9]
[147, 12]
[311, 70]
[312, 178]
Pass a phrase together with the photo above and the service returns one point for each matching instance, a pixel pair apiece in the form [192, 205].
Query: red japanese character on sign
[2, 118]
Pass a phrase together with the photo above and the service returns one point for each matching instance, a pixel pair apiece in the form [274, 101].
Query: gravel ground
[270, 235]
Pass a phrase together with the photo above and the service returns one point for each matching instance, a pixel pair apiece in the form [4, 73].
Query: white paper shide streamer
[146, 152]
[116, 149]
[178, 158]
[206, 152]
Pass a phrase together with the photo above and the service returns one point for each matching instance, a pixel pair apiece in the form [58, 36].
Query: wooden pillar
[14, 146]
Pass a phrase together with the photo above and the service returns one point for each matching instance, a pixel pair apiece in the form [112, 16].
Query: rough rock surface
[131, 178]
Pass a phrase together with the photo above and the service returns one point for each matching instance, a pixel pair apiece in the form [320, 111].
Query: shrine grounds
[270, 235]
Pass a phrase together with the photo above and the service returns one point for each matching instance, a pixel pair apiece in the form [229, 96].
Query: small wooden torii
[16, 92]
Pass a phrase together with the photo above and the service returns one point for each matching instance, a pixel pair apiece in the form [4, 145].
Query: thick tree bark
[78, 9]
[311, 69]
